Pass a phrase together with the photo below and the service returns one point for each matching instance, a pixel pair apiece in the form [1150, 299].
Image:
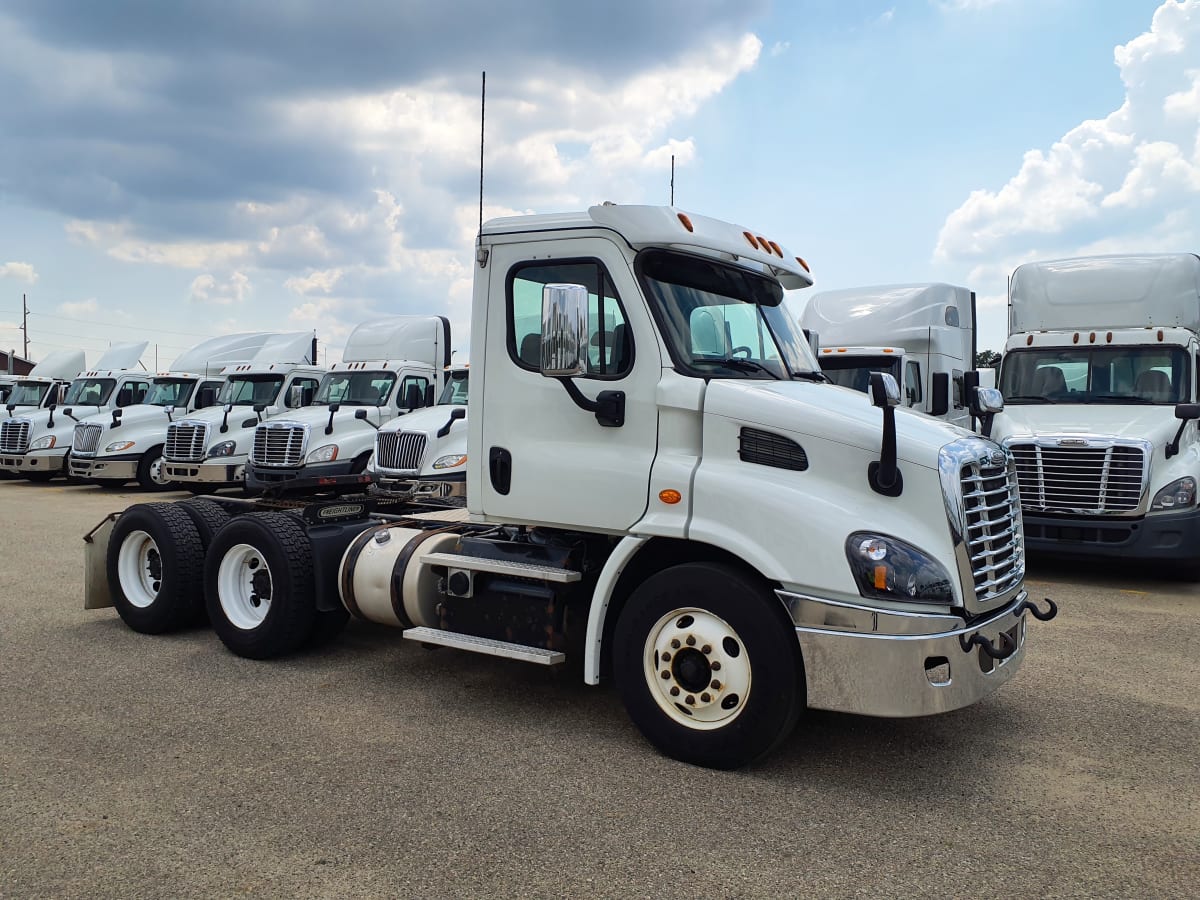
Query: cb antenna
[482, 111]
[672, 179]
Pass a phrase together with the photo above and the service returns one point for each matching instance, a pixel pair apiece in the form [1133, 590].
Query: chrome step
[484, 645]
[501, 567]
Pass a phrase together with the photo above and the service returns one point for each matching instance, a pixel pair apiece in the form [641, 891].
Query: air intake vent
[769, 449]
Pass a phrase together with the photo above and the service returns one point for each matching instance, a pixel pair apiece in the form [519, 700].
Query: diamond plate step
[501, 567]
[485, 645]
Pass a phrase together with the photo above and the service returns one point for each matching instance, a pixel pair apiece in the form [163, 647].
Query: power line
[117, 324]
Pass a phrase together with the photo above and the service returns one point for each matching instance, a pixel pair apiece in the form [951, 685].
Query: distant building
[18, 366]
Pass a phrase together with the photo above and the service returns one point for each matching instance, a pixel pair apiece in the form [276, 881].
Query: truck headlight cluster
[889, 569]
[328, 453]
[118, 446]
[1179, 494]
[43, 443]
[225, 448]
[450, 462]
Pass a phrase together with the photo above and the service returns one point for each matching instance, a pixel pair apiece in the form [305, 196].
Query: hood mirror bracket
[884, 475]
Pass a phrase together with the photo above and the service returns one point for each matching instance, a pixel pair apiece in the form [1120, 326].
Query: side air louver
[769, 449]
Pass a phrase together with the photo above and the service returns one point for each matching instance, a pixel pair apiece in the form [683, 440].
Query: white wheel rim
[244, 586]
[139, 566]
[697, 669]
[157, 475]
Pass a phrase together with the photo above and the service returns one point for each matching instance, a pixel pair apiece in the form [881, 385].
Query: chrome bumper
[102, 469]
[205, 473]
[874, 662]
[414, 488]
[33, 462]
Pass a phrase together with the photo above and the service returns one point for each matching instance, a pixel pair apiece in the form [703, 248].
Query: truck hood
[216, 414]
[1156, 424]
[318, 417]
[829, 413]
[428, 420]
[141, 418]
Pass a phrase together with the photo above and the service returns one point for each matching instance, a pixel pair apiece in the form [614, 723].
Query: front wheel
[151, 474]
[708, 665]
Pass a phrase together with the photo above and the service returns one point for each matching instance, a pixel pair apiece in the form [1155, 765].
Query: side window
[132, 392]
[308, 389]
[207, 394]
[912, 382]
[610, 344]
[957, 379]
[412, 392]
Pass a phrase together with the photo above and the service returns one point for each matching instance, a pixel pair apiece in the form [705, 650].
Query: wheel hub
[696, 668]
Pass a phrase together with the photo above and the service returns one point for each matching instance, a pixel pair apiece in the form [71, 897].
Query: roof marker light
[1160, 334]
[1092, 338]
[776, 249]
[803, 264]
[1109, 338]
[685, 221]
[762, 242]
[750, 239]
[1075, 338]
[1029, 340]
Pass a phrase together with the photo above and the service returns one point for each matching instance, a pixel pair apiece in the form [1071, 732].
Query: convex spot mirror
[884, 390]
[564, 330]
[988, 401]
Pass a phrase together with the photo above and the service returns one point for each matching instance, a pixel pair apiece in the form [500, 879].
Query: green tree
[987, 359]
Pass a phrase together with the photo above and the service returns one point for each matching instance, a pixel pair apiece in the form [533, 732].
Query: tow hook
[978, 640]
[1046, 616]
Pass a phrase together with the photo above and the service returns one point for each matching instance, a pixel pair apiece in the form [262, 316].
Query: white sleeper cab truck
[423, 456]
[1100, 379]
[37, 445]
[708, 521]
[129, 445]
[923, 335]
[43, 388]
[208, 449]
[389, 367]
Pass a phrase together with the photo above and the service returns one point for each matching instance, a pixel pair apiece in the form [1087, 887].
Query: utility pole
[25, 324]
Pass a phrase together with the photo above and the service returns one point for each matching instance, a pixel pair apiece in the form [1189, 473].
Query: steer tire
[155, 564]
[146, 469]
[208, 516]
[259, 615]
[752, 655]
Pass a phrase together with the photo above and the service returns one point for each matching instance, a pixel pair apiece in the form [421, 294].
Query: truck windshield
[355, 388]
[28, 393]
[1154, 374]
[250, 390]
[722, 321]
[455, 391]
[89, 391]
[170, 392]
[855, 371]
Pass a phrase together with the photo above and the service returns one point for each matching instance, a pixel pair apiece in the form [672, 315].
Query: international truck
[37, 444]
[129, 445]
[923, 335]
[727, 535]
[390, 367]
[208, 449]
[1099, 377]
[423, 456]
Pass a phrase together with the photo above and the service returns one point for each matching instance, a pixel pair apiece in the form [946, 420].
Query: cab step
[501, 567]
[484, 645]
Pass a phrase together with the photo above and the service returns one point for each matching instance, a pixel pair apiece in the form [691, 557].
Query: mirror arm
[609, 406]
[455, 415]
[884, 476]
[1173, 447]
[50, 421]
[225, 422]
[333, 408]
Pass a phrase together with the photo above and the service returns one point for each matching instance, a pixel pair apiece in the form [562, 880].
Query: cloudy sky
[172, 171]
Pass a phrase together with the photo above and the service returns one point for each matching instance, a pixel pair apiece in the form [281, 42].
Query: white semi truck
[209, 449]
[37, 445]
[727, 535]
[43, 388]
[390, 367]
[129, 446]
[423, 456]
[923, 335]
[1099, 376]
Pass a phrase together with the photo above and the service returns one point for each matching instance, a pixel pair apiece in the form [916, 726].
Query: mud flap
[96, 594]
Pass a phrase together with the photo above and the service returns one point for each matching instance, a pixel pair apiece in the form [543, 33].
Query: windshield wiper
[811, 376]
[1119, 398]
[1042, 397]
[743, 365]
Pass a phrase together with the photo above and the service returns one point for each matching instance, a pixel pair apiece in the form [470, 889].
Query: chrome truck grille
[1083, 476]
[14, 436]
[993, 538]
[186, 441]
[87, 439]
[279, 444]
[399, 450]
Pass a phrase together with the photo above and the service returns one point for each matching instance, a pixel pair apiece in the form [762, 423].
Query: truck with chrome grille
[208, 449]
[389, 368]
[42, 389]
[37, 445]
[1099, 378]
[662, 488]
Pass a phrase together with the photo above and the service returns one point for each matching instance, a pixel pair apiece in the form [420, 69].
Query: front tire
[151, 476]
[708, 665]
[155, 565]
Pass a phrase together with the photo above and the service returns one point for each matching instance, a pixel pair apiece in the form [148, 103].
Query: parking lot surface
[135, 766]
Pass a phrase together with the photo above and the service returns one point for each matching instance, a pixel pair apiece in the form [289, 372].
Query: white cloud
[80, 307]
[1130, 180]
[966, 5]
[19, 270]
[779, 48]
[885, 17]
[207, 288]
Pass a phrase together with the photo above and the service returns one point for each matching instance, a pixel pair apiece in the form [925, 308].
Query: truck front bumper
[423, 487]
[262, 477]
[874, 662]
[205, 472]
[1166, 537]
[35, 461]
[105, 468]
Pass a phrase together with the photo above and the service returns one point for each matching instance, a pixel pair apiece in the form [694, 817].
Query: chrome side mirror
[295, 396]
[884, 390]
[988, 401]
[564, 330]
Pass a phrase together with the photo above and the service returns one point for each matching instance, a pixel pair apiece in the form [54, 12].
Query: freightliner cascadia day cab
[209, 448]
[704, 518]
[37, 445]
[43, 388]
[923, 335]
[1100, 378]
[389, 367]
[128, 445]
[423, 456]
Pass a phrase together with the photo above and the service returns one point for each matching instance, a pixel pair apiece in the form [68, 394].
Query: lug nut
[706, 649]
[716, 685]
[691, 641]
[689, 700]
[666, 657]
[666, 675]
[675, 690]
[675, 643]
[716, 667]
[706, 696]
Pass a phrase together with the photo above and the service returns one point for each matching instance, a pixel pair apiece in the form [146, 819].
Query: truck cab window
[1133, 375]
[610, 345]
[912, 382]
[956, 377]
[413, 387]
[89, 391]
[356, 388]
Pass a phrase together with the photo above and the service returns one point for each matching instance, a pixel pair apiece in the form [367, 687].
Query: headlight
[225, 448]
[450, 462]
[1179, 494]
[889, 569]
[118, 446]
[43, 443]
[328, 453]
